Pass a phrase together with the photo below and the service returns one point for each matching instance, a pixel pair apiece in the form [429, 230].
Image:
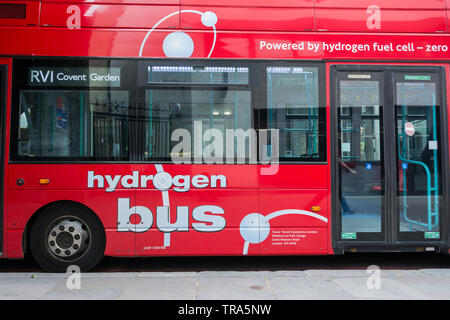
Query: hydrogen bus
[185, 127]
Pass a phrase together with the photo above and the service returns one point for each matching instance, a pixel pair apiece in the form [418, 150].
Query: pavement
[421, 284]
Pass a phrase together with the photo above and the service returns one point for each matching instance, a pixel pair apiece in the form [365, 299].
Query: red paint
[261, 18]
[251, 3]
[116, 43]
[110, 15]
[384, 4]
[119, 2]
[392, 20]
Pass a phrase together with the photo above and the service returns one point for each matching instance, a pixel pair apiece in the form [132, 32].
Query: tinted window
[155, 110]
[75, 124]
[293, 108]
[209, 115]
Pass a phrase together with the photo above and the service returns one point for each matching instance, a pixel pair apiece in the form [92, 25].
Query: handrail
[430, 213]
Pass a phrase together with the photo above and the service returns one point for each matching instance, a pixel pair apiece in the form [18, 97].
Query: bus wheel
[67, 235]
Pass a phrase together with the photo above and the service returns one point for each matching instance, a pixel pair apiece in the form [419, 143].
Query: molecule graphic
[179, 44]
[255, 227]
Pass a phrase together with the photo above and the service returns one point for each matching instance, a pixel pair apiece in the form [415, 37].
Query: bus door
[389, 156]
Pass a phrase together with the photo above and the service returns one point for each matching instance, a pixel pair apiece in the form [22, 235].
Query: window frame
[143, 85]
[134, 80]
[322, 110]
[20, 67]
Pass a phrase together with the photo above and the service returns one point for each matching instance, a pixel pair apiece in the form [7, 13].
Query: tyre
[67, 235]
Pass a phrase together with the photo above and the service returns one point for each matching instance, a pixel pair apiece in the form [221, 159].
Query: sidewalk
[227, 285]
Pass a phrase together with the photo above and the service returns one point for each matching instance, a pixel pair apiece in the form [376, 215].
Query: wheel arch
[35, 215]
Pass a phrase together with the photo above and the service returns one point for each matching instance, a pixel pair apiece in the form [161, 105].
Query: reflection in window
[73, 124]
[360, 162]
[198, 74]
[236, 120]
[360, 120]
[419, 179]
[293, 108]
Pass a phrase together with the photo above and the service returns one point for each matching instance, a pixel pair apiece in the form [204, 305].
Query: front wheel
[67, 235]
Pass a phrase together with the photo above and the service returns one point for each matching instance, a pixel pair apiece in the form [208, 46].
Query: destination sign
[74, 77]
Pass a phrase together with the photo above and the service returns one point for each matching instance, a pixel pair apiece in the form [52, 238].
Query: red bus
[185, 127]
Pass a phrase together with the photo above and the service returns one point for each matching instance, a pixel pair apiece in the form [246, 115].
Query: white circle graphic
[209, 19]
[178, 45]
[254, 228]
[162, 181]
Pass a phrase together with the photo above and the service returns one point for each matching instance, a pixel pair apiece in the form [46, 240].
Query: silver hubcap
[68, 238]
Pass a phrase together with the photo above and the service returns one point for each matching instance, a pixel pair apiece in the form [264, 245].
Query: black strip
[13, 11]
[335, 210]
[390, 197]
[445, 173]
[3, 84]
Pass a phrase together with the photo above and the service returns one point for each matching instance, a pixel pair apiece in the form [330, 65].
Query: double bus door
[389, 156]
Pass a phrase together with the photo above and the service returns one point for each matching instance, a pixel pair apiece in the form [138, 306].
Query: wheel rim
[68, 238]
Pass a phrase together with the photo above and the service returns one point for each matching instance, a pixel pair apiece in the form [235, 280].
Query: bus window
[124, 110]
[73, 124]
[198, 113]
[293, 108]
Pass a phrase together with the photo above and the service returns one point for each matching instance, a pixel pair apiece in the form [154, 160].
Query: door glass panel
[361, 164]
[418, 146]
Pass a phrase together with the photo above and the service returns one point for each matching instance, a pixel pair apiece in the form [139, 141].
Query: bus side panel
[65, 175]
[119, 244]
[112, 15]
[229, 44]
[101, 203]
[13, 240]
[288, 197]
[205, 222]
[293, 176]
[251, 3]
[227, 242]
[294, 227]
[276, 19]
[448, 13]
[394, 20]
[295, 241]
